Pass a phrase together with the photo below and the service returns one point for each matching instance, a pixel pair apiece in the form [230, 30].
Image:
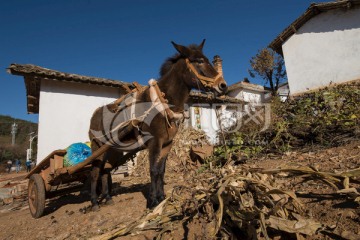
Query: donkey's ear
[202, 44]
[184, 51]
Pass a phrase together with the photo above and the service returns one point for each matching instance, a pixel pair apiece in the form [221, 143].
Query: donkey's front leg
[157, 157]
[160, 194]
[154, 157]
[105, 186]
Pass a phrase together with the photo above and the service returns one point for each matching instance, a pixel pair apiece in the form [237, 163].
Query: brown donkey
[178, 75]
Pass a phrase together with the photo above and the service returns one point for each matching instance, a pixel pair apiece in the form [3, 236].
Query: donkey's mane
[169, 62]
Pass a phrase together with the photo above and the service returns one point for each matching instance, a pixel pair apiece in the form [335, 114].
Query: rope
[167, 119]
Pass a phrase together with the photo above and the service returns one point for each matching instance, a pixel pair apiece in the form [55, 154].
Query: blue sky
[128, 40]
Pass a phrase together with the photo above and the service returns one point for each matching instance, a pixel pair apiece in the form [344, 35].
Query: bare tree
[268, 65]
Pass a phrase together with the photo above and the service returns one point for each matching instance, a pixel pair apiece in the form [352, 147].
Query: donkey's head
[203, 74]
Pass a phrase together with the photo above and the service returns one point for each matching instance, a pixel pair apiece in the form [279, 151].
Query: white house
[207, 112]
[65, 103]
[242, 99]
[322, 46]
[247, 92]
[283, 91]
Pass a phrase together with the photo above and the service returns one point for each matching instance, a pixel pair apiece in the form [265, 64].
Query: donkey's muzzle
[223, 87]
[220, 86]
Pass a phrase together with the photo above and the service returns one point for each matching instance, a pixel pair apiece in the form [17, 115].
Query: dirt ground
[64, 219]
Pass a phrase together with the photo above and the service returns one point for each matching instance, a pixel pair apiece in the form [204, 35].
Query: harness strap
[157, 96]
[206, 81]
[132, 107]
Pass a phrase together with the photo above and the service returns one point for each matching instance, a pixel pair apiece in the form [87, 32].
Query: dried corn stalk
[229, 201]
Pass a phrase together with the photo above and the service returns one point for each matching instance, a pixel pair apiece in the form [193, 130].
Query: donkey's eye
[200, 60]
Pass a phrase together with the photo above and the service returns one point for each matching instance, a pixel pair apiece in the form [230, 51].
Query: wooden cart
[50, 178]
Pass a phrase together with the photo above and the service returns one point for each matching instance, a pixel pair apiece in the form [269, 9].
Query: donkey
[186, 70]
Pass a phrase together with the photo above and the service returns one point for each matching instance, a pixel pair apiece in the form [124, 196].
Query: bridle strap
[206, 81]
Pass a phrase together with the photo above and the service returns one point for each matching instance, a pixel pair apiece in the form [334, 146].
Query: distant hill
[7, 151]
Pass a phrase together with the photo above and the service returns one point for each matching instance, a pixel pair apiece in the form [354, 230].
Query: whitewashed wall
[283, 92]
[209, 122]
[247, 95]
[65, 110]
[326, 49]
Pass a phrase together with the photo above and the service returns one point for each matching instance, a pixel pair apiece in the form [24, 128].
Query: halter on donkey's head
[205, 81]
[215, 82]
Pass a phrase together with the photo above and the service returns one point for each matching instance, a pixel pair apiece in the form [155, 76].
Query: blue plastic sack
[76, 153]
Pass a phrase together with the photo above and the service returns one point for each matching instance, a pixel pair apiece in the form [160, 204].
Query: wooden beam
[32, 97]
[126, 87]
[138, 86]
[315, 10]
[46, 162]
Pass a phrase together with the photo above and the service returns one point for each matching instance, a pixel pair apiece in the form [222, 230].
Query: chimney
[217, 62]
[246, 80]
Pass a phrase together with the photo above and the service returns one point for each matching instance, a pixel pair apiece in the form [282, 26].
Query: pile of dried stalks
[178, 159]
[237, 203]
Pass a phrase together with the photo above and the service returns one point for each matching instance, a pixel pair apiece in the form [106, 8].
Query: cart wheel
[36, 195]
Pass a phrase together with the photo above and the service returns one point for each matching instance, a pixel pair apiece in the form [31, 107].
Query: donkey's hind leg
[105, 192]
[95, 173]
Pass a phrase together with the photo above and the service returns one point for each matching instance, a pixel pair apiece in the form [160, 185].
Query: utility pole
[29, 151]
[14, 128]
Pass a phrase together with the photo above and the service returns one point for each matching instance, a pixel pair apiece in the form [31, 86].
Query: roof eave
[242, 87]
[313, 10]
[34, 74]
[27, 70]
[210, 98]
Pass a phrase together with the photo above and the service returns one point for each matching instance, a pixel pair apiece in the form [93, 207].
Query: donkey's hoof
[152, 204]
[109, 202]
[160, 198]
[95, 208]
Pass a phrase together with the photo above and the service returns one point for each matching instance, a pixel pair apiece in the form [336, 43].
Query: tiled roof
[246, 85]
[313, 10]
[29, 69]
[33, 74]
